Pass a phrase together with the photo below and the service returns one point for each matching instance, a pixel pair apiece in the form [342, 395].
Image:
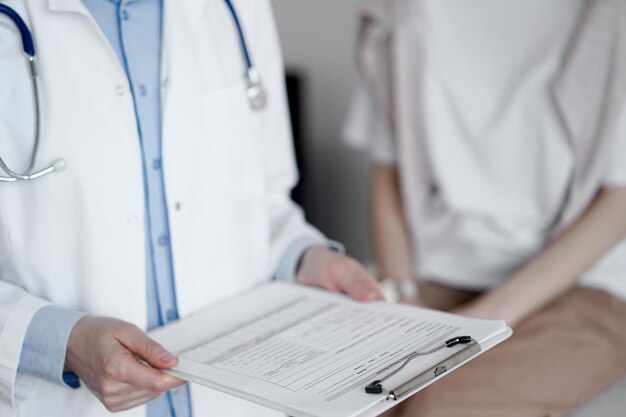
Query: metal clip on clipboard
[472, 348]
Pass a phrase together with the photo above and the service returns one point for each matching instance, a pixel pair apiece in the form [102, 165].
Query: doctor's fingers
[353, 279]
[133, 384]
[120, 396]
[116, 407]
[136, 341]
[144, 378]
[150, 379]
[130, 397]
[144, 386]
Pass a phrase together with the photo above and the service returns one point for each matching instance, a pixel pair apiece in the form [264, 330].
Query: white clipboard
[311, 353]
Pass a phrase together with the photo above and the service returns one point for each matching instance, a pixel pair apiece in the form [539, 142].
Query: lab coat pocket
[234, 153]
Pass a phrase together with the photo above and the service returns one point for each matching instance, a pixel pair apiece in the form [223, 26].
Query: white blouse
[497, 147]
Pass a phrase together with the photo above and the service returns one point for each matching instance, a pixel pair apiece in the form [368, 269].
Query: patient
[497, 129]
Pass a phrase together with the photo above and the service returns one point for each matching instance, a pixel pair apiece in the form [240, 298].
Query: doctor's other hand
[104, 353]
[324, 268]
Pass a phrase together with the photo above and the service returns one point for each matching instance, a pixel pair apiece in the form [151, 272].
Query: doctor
[175, 195]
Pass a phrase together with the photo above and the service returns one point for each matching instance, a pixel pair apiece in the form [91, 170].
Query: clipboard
[310, 353]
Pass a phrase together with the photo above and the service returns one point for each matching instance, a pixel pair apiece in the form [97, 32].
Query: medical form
[308, 352]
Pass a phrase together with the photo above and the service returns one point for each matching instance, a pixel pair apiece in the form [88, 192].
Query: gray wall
[318, 39]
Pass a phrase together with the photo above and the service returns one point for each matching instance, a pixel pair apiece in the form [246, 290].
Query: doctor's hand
[324, 268]
[105, 354]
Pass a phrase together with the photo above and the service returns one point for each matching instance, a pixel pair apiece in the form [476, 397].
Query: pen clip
[471, 349]
[461, 340]
[375, 387]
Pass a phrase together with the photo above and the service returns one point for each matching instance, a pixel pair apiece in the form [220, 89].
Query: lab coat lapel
[78, 7]
[75, 6]
[179, 75]
[192, 9]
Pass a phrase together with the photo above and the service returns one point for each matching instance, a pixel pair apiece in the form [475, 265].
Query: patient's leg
[555, 361]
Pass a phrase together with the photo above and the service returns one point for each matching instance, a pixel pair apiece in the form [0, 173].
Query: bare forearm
[391, 238]
[558, 268]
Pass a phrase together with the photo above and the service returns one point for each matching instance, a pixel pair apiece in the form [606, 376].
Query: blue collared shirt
[133, 28]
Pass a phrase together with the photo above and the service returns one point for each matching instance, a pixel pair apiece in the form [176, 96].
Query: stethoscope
[254, 90]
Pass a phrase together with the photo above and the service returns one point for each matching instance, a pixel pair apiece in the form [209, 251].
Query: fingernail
[168, 357]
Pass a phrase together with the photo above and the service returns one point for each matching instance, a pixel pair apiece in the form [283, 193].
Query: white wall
[318, 38]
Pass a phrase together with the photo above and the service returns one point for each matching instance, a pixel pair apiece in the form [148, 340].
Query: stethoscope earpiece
[59, 165]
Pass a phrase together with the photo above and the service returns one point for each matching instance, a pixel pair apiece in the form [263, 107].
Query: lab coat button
[120, 90]
[165, 82]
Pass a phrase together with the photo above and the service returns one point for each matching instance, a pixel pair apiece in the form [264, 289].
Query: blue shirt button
[163, 240]
[124, 15]
[143, 91]
[156, 164]
[171, 315]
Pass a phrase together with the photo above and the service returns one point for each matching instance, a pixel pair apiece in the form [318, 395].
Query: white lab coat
[76, 238]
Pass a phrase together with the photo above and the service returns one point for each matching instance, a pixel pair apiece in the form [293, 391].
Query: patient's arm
[391, 236]
[559, 266]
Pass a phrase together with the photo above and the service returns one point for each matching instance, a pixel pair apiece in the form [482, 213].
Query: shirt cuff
[288, 266]
[45, 345]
